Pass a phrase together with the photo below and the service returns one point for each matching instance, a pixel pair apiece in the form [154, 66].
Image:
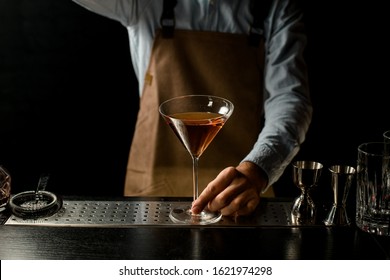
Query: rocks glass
[373, 189]
[5, 188]
[386, 139]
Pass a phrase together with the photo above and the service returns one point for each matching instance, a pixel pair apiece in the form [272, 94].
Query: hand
[235, 191]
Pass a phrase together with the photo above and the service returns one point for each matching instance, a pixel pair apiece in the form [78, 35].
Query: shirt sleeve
[124, 11]
[287, 108]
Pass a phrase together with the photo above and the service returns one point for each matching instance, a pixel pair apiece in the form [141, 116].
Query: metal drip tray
[91, 213]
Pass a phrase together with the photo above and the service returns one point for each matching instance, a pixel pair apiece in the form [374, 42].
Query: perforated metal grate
[135, 213]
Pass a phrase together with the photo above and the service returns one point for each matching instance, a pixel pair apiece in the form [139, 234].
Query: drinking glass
[386, 139]
[306, 175]
[373, 189]
[195, 120]
[5, 188]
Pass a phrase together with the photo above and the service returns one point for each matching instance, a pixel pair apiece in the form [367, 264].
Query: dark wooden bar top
[220, 241]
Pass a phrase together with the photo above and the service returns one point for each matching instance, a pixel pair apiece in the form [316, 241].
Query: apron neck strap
[259, 10]
[168, 18]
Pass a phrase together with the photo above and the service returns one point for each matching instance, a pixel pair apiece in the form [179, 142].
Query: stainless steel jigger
[306, 175]
[342, 177]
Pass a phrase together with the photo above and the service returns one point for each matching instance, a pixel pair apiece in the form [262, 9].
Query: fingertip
[196, 209]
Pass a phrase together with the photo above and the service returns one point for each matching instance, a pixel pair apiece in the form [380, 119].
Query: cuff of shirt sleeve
[269, 161]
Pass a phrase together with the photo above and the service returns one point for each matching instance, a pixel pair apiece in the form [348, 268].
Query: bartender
[247, 51]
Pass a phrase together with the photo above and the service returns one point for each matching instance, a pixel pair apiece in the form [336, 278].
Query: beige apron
[195, 62]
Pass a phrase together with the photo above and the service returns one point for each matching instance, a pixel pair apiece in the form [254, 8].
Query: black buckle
[167, 19]
[255, 36]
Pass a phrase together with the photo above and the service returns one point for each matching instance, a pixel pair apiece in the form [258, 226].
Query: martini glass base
[183, 215]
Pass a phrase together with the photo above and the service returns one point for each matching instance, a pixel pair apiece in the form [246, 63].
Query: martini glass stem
[195, 161]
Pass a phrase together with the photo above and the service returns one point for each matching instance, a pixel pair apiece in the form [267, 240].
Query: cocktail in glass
[196, 120]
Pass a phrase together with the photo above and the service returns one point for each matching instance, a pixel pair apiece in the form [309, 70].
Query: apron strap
[259, 10]
[168, 18]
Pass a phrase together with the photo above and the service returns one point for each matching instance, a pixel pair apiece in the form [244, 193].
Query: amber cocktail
[196, 120]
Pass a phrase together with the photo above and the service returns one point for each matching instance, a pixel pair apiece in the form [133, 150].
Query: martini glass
[196, 120]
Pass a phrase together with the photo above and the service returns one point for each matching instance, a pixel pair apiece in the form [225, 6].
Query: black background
[69, 98]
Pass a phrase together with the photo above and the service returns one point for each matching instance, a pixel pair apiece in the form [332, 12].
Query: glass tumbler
[5, 188]
[373, 189]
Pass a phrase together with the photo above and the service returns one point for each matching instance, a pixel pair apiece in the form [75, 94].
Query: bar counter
[138, 228]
